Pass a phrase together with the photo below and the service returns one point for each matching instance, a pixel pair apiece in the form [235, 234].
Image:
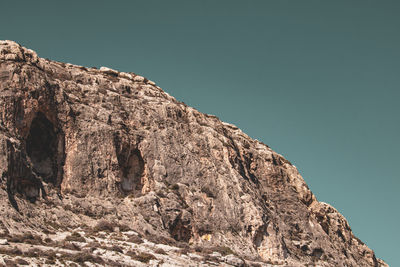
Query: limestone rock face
[80, 145]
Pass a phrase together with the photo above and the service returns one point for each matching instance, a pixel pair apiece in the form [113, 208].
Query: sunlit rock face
[79, 145]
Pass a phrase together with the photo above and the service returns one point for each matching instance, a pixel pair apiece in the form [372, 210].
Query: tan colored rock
[80, 145]
[126, 75]
[138, 78]
[109, 71]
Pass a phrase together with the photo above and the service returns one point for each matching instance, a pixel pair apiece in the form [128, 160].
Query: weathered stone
[84, 144]
[138, 78]
[126, 75]
[109, 71]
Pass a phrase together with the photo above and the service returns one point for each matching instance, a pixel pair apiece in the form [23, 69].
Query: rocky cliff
[104, 167]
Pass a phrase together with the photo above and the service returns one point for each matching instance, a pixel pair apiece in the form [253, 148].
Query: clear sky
[318, 81]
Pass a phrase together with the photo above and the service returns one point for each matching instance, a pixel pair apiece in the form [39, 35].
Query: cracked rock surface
[103, 168]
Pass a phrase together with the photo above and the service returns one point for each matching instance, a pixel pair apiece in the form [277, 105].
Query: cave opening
[41, 148]
[132, 170]
[131, 166]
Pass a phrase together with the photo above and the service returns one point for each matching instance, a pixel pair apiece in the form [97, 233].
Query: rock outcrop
[86, 152]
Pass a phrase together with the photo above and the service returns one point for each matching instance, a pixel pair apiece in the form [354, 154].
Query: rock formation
[91, 161]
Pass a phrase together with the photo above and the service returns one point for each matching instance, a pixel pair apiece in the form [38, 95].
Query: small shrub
[143, 257]
[27, 238]
[20, 261]
[94, 245]
[223, 250]
[48, 240]
[162, 240]
[112, 263]
[117, 249]
[75, 236]
[70, 246]
[32, 253]
[84, 256]
[11, 252]
[124, 228]
[182, 245]
[102, 236]
[210, 258]
[10, 263]
[184, 251]
[119, 238]
[49, 254]
[16, 239]
[208, 192]
[160, 193]
[135, 239]
[50, 261]
[54, 225]
[160, 251]
[105, 226]
[131, 253]
[175, 187]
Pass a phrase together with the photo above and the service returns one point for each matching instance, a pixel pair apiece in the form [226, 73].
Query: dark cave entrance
[132, 170]
[131, 166]
[41, 148]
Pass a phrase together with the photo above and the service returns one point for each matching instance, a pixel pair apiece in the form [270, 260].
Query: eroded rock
[82, 144]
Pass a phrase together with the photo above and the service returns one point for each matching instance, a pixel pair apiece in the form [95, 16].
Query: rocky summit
[104, 168]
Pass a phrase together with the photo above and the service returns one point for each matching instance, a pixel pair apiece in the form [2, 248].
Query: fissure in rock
[41, 148]
[132, 172]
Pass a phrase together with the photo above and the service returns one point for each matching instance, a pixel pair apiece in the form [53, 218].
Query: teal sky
[318, 81]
